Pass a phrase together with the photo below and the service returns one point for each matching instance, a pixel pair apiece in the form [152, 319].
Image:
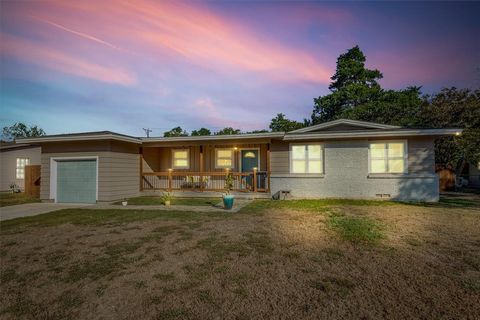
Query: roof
[12, 145]
[82, 136]
[403, 132]
[355, 123]
[320, 131]
[217, 137]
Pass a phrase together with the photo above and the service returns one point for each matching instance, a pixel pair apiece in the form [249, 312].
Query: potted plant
[124, 202]
[227, 197]
[166, 198]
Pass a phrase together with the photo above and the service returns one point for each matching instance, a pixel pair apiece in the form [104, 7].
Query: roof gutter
[374, 134]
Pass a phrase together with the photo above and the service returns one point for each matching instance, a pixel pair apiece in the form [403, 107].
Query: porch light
[235, 148]
[458, 133]
[170, 169]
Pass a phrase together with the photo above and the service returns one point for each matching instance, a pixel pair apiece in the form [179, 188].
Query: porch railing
[256, 181]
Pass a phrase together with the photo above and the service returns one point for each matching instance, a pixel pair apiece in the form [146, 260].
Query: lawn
[331, 259]
[156, 201]
[10, 199]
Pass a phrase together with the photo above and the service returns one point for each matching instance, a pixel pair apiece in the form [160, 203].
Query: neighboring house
[13, 159]
[474, 175]
[338, 159]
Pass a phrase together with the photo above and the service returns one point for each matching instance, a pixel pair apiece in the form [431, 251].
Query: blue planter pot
[228, 201]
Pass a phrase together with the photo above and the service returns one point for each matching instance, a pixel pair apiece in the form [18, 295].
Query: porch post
[255, 179]
[141, 169]
[169, 180]
[268, 167]
[201, 169]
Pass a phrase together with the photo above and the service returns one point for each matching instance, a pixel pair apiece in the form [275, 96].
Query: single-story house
[337, 159]
[13, 159]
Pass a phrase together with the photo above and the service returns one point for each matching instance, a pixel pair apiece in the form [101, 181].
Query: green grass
[11, 199]
[451, 202]
[100, 217]
[156, 201]
[356, 229]
[310, 204]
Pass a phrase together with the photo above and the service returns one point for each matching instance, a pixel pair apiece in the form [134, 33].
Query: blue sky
[85, 66]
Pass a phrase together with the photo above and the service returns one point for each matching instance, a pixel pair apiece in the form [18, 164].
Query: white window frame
[26, 163]
[188, 159]
[405, 156]
[53, 174]
[232, 158]
[322, 158]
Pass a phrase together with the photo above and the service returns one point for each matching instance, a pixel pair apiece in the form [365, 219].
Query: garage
[76, 181]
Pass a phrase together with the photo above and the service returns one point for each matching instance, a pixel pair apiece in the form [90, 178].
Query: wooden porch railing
[256, 181]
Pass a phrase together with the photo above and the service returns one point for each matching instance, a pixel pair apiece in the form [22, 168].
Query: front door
[249, 160]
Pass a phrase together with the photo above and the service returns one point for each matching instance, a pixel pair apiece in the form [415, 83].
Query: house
[13, 159]
[338, 159]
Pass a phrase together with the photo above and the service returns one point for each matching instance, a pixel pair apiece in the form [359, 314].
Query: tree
[280, 123]
[258, 131]
[400, 108]
[201, 132]
[352, 85]
[454, 108]
[227, 131]
[176, 132]
[21, 130]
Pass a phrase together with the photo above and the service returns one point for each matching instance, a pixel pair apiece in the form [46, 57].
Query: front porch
[191, 167]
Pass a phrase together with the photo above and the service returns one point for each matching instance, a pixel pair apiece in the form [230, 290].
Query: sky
[76, 66]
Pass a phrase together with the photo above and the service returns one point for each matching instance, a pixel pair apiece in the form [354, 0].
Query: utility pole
[147, 131]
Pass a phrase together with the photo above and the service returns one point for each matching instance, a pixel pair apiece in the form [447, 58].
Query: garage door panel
[77, 181]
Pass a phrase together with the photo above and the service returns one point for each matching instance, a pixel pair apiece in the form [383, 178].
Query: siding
[8, 165]
[346, 173]
[118, 174]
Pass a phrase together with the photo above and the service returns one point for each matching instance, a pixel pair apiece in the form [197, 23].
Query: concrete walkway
[238, 205]
[33, 209]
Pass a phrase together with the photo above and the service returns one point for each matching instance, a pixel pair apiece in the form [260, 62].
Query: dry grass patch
[305, 259]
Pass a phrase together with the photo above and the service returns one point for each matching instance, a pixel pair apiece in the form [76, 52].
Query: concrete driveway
[33, 209]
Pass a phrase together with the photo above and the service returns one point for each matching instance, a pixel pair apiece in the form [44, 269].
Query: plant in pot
[227, 197]
[166, 198]
[124, 202]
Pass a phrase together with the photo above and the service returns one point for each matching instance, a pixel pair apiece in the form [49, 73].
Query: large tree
[281, 123]
[176, 132]
[21, 130]
[454, 108]
[352, 85]
[227, 131]
[201, 132]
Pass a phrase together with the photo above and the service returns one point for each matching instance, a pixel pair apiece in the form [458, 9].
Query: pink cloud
[57, 60]
[168, 31]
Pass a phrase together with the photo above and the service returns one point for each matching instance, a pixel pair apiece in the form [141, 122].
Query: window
[20, 170]
[224, 158]
[389, 157]
[306, 158]
[180, 159]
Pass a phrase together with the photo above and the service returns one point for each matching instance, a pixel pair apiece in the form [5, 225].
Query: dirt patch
[261, 263]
